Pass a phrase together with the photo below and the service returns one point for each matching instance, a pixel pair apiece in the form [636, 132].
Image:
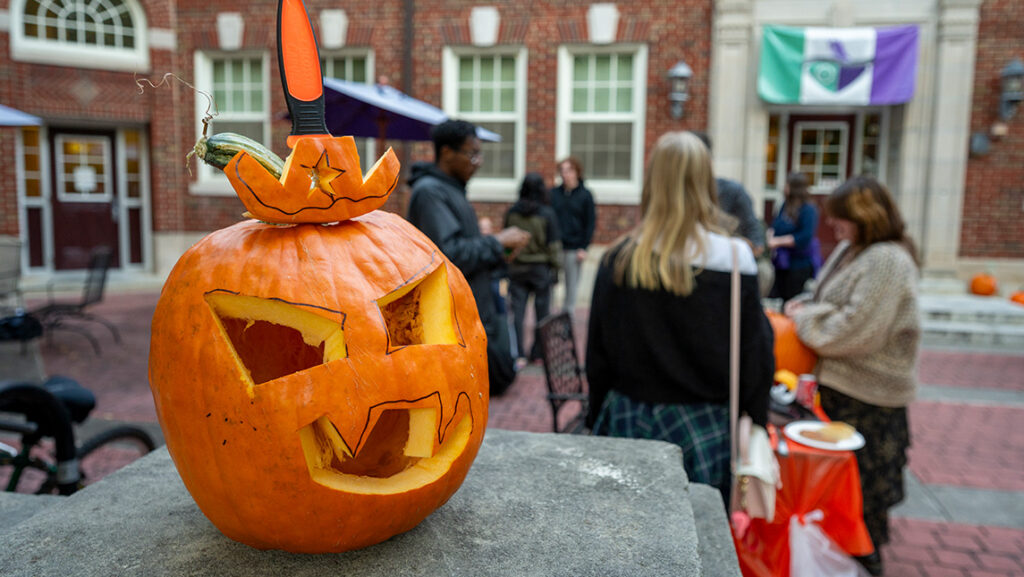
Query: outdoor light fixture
[1013, 89]
[679, 79]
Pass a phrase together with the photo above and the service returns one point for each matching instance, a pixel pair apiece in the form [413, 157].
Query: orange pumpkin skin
[790, 353]
[237, 444]
[1017, 297]
[322, 182]
[983, 284]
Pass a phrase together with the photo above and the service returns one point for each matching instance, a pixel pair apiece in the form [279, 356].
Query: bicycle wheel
[111, 450]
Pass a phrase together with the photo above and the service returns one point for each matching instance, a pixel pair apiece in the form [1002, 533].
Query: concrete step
[948, 319]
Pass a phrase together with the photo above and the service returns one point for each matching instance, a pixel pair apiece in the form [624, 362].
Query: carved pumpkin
[320, 387]
[790, 353]
[983, 284]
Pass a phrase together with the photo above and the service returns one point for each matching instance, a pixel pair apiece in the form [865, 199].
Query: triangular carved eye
[272, 338]
[421, 312]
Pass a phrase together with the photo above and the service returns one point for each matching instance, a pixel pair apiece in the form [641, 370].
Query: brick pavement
[955, 444]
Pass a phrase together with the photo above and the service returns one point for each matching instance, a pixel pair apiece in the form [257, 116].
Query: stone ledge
[533, 504]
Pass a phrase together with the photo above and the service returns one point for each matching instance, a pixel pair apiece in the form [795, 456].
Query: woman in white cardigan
[862, 320]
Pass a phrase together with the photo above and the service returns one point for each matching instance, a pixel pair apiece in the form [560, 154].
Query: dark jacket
[733, 199]
[800, 255]
[438, 207]
[545, 244]
[656, 347]
[577, 215]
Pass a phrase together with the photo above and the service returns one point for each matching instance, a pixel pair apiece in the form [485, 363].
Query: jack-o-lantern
[320, 388]
[320, 377]
[791, 353]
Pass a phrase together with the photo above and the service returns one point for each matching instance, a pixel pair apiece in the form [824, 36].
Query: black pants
[524, 280]
[790, 282]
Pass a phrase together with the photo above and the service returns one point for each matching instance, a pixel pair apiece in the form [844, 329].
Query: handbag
[754, 467]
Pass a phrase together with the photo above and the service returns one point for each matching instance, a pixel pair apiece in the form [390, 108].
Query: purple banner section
[895, 65]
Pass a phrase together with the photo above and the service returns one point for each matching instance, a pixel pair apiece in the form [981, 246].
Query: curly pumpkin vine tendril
[211, 111]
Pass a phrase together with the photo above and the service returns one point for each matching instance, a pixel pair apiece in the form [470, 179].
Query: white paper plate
[795, 429]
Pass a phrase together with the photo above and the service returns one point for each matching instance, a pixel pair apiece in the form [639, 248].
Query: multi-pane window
[104, 23]
[820, 152]
[34, 202]
[239, 91]
[108, 34]
[601, 114]
[487, 93]
[239, 88]
[83, 169]
[354, 68]
[871, 144]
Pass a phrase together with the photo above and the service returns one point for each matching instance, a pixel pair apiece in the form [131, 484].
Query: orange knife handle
[299, 60]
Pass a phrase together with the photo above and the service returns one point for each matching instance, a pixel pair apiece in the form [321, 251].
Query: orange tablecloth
[811, 479]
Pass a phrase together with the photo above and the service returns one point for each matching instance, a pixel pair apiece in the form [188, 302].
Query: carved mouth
[399, 454]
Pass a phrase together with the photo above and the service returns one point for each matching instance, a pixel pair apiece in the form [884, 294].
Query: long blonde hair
[678, 196]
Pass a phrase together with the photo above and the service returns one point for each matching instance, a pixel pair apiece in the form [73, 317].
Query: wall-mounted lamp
[679, 80]
[1013, 89]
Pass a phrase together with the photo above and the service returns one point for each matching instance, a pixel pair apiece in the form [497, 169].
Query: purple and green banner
[858, 66]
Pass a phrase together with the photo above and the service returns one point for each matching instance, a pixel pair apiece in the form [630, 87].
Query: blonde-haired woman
[658, 344]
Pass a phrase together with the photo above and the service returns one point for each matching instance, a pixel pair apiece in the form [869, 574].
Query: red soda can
[806, 387]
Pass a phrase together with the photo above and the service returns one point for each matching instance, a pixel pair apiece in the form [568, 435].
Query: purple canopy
[382, 111]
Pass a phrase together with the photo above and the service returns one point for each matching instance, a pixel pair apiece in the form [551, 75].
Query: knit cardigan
[863, 322]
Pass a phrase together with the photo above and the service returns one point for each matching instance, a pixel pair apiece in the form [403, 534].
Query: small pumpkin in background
[1018, 297]
[983, 284]
[791, 354]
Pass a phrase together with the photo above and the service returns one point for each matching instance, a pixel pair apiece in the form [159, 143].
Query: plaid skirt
[881, 461]
[701, 429]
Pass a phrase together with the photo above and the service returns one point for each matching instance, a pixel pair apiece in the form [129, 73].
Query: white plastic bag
[813, 554]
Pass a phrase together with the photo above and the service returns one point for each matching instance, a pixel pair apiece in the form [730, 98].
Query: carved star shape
[321, 175]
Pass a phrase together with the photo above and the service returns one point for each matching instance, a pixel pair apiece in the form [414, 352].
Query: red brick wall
[993, 213]
[8, 196]
[672, 31]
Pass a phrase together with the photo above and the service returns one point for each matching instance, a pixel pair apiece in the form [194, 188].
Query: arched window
[108, 34]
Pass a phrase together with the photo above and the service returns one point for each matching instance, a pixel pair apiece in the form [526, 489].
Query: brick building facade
[444, 52]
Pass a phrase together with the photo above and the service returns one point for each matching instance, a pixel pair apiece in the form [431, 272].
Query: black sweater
[656, 347]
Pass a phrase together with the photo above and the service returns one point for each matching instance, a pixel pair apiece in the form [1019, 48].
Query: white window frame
[606, 191]
[80, 55]
[366, 146]
[126, 203]
[209, 181]
[480, 188]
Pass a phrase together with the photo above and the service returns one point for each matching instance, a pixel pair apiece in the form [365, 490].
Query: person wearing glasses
[439, 208]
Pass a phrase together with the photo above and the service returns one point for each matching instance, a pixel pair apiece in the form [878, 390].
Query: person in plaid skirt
[658, 338]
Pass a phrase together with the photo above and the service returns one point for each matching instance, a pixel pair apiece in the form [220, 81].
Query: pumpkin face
[790, 353]
[983, 284]
[321, 182]
[320, 388]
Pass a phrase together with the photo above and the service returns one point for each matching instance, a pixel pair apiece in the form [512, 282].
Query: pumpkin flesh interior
[271, 338]
[421, 313]
[383, 465]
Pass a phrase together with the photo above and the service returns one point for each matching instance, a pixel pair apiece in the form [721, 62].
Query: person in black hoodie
[535, 268]
[439, 208]
[577, 217]
[658, 340]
